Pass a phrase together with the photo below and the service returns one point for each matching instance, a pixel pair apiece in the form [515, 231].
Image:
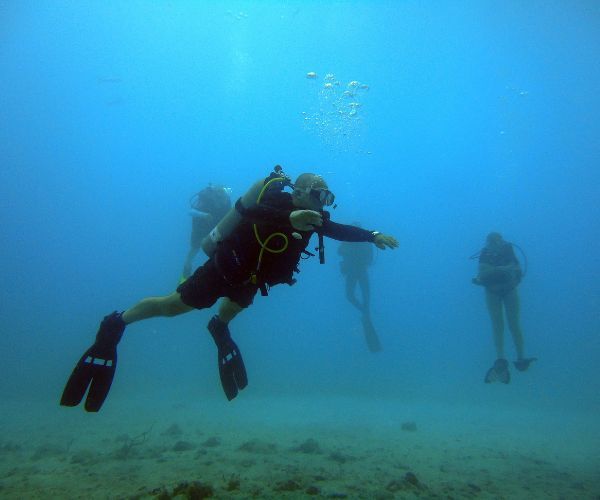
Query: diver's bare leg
[169, 305]
[494, 305]
[351, 281]
[513, 316]
[363, 283]
[228, 310]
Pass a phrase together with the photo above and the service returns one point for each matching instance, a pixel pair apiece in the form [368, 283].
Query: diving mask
[323, 196]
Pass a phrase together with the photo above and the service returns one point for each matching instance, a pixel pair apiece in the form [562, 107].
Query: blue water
[478, 116]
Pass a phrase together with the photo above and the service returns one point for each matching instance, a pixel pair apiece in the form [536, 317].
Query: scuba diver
[207, 208]
[500, 274]
[257, 245]
[356, 258]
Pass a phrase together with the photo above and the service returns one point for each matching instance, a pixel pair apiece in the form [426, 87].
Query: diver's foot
[371, 336]
[110, 331]
[498, 373]
[523, 363]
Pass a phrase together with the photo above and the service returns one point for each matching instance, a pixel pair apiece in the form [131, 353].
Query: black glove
[97, 366]
[231, 366]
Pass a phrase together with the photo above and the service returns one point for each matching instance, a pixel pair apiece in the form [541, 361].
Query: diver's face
[313, 195]
[306, 201]
[494, 243]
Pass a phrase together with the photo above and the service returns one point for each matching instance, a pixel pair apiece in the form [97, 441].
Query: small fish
[311, 75]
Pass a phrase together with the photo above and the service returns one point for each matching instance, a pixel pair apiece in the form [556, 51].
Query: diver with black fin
[356, 259]
[500, 274]
[256, 245]
[207, 207]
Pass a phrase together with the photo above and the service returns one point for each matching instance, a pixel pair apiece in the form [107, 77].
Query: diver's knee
[228, 309]
[514, 323]
[173, 306]
[515, 330]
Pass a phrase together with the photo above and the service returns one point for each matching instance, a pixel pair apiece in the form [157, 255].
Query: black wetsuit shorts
[203, 288]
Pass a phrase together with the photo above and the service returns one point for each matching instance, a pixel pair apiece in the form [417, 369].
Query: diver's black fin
[227, 381]
[498, 373]
[96, 368]
[78, 383]
[232, 371]
[239, 371]
[371, 336]
[101, 382]
[92, 371]
[523, 364]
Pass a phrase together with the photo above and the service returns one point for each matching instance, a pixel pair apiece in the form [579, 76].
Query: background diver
[258, 244]
[500, 274]
[356, 259]
[207, 208]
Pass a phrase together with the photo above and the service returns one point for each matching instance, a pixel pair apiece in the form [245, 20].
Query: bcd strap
[262, 285]
[240, 208]
[321, 249]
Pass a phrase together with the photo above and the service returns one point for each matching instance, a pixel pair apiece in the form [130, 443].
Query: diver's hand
[383, 241]
[306, 220]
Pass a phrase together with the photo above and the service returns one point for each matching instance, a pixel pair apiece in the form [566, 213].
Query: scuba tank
[232, 218]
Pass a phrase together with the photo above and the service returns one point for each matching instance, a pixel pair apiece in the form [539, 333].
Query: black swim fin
[498, 373]
[523, 363]
[371, 336]
[231, 365]
[97, 367]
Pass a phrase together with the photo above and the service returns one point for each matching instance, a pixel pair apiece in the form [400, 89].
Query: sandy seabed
[329, 447]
